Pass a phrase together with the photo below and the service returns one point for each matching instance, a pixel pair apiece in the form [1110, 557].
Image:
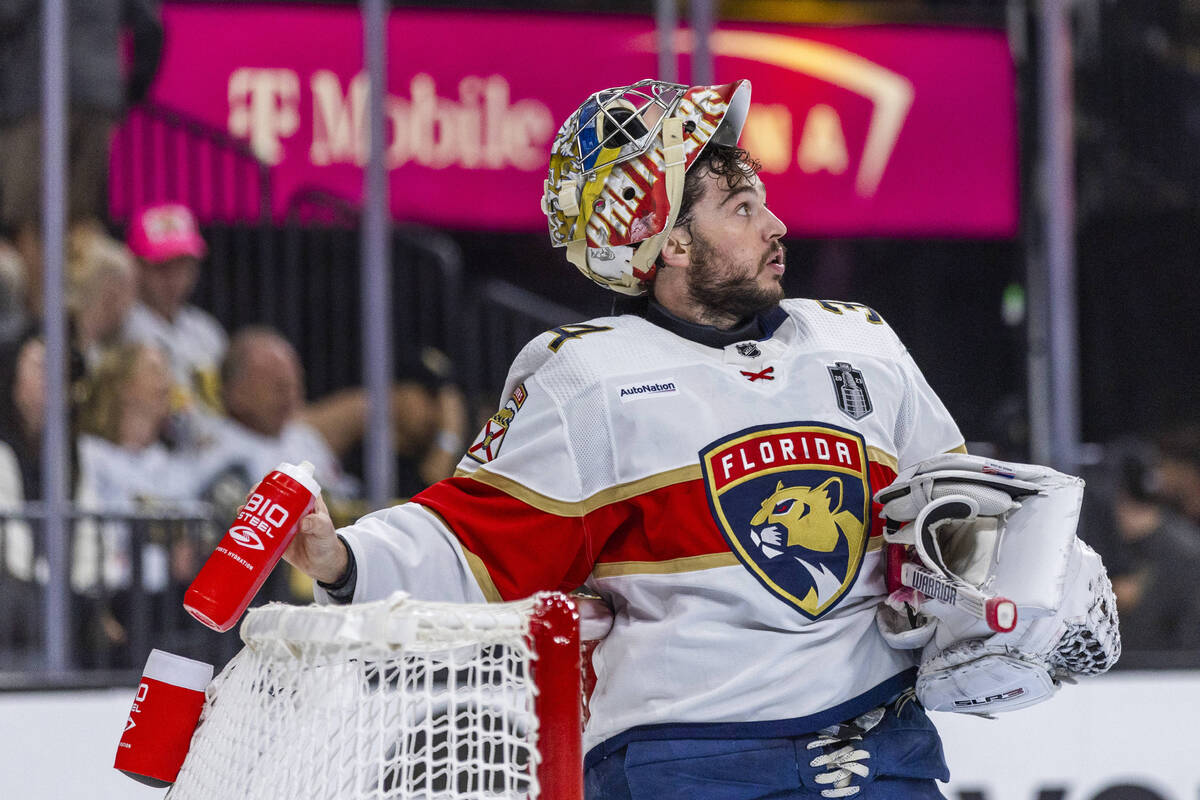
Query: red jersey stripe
[502, 531]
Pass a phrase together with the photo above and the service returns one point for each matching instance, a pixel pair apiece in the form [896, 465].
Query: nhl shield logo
[850, 389]
[793, 503]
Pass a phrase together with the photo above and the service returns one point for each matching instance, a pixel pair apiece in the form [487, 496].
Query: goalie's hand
[316, 550]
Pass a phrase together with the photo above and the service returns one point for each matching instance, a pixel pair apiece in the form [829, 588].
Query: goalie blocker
[987, 576]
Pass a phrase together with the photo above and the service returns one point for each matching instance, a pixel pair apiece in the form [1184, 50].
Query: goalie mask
[617, 168]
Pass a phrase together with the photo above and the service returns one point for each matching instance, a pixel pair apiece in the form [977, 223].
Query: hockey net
[395, 699]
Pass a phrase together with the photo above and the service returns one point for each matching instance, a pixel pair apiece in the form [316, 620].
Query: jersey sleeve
[924, 427]
[514, 519]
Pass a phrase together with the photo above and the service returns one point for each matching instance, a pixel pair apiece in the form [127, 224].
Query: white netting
[393, 699]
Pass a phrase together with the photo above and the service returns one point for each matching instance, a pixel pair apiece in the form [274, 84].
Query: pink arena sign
[861, 130]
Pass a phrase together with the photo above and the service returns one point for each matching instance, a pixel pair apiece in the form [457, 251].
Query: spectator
[126, 409]
[125, 467]
[13, 317]
[429, 423]
[101, 290]
[22, 416]
[429, 426]
[23, 392]
[1179, 469]
[23, 405]
[269, 422]
[169, 248]
[1160, 555]
[262, 387]
[22, 419]
[99, 91]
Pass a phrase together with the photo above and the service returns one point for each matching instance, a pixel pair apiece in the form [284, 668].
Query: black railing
[502, 319]
[127, 574]
[161, 154]
[314, 293]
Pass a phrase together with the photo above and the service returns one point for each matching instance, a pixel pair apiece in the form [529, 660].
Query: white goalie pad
[989, 578]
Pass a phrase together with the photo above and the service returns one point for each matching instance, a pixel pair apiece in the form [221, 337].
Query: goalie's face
[730, 251]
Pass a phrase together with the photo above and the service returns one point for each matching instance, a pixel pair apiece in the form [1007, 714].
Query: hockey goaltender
[798, 555]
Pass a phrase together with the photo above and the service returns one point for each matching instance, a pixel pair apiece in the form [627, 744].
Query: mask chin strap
[643, 257]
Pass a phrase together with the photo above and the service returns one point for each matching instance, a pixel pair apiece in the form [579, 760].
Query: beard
[711, 284]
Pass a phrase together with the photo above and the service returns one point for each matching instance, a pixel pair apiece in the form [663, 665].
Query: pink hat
[162, 232]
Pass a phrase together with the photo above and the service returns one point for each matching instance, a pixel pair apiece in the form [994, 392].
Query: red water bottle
[158, 730]
[246, 555]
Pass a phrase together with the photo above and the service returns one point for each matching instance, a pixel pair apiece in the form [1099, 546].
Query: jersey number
[566, 333]
[837, 306]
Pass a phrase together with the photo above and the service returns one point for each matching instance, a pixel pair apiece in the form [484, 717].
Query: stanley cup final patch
[487, 444]
[793, 503]
[850, 389]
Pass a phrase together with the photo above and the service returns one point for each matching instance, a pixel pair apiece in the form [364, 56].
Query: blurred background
[207, 268]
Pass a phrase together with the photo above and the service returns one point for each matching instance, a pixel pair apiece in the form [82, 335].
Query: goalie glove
[987, 575]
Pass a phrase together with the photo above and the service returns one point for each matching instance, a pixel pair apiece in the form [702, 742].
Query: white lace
[841, 765]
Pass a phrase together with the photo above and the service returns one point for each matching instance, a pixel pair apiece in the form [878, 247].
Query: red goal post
[398, 698]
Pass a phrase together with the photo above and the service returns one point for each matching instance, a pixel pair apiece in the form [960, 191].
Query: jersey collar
[759, 327]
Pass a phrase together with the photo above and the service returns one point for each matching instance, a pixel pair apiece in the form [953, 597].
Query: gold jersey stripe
[579, 508]
[675, 565]
[686, 564]
[883, 457]
[478, 570]
[482, 577]
[962, 448]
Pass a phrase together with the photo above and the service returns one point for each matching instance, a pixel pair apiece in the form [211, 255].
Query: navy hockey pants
[906, 759]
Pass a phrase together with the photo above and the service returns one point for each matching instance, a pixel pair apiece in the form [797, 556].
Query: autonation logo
[638, 391]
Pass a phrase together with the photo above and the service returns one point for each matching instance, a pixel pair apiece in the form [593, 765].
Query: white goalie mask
[617, 167]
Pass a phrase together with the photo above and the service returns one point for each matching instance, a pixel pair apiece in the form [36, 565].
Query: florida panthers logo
[792, 502]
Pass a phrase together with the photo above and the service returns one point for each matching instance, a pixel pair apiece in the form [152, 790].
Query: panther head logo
[808, 524]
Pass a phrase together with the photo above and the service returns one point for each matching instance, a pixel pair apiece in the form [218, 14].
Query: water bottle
[246, 555]
[166, 708]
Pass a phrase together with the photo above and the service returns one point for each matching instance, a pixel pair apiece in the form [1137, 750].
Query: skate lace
[842, 759]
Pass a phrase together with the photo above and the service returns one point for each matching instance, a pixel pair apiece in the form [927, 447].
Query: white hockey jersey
[194, 343]
[718, 497]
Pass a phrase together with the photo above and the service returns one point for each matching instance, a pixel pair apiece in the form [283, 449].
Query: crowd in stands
[173, 418]
[1141, 513]
[172, 415]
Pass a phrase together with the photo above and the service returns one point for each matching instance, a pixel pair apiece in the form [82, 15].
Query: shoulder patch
[487, 444]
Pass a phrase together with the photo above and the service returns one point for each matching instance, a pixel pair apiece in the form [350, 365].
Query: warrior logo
[487, 444]
[792, 502]
[850, 389]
